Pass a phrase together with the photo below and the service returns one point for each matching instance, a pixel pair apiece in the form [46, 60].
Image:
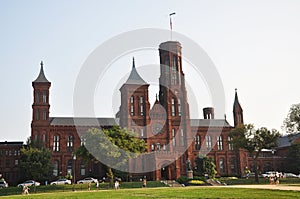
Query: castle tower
[237, 111]
[134, 110]
[40, 107]
[173, 97]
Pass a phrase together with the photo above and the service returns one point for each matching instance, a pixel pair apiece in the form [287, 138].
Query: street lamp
[74, 172]
[273, 152]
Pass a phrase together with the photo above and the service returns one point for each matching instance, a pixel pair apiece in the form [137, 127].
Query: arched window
[69, 167]
[70, 143]
[197, 142]
[222, 165]
[82, 168]
[220, 143]
[158, 146]
[56, 143]
[230, 145]
[208, 142]
[55, 168]
[152, 147]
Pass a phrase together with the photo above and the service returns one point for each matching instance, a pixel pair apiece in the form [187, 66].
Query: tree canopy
[35, 162]
[292, 121]
[205, 165]
[113, 145]
[253, 140]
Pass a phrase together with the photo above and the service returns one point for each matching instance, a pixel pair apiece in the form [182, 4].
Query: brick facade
[166, 126]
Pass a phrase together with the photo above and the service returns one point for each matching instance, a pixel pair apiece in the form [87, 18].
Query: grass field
[184, 192]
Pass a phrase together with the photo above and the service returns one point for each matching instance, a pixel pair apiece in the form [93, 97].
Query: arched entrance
[164, 173]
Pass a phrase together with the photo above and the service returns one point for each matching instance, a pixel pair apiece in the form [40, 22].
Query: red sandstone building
[9, 161]
[165, 126]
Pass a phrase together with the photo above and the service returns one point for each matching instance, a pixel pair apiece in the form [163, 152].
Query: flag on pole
[171, 19]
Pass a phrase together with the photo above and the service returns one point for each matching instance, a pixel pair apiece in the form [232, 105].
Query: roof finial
[133, 63]
[42, 64]
[156, 97]
[225, 116]
[235, 90]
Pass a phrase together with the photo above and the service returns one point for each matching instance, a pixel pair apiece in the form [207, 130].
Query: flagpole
[171, 28]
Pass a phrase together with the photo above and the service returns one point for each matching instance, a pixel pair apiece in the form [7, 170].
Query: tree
[293, 159]
[205, 165]
[253, 140]
[35, 162]
[292, 121]
[115, 145]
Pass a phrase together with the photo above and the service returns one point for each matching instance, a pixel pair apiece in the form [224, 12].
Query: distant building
[9, 161]
[275, 159]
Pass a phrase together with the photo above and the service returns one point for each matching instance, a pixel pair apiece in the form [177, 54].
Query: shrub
[196, 182]
[182, 179]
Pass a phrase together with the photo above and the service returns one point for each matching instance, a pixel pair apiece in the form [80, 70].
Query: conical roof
[134, 77]
[41, 77]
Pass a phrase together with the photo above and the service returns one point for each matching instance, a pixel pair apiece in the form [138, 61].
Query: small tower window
[197, 142]
[173, 107]
[141, 105]
[131, 105]
[37, 115]
[37, 97]
[173, 137]
[44, 115]
[181, 137]
[174, 70]
[44, 97]
[179, 107]
[142, 132]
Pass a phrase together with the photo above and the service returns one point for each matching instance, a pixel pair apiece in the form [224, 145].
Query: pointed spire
[134, 77]
[133, 63]
[236, 100]
[41, 77]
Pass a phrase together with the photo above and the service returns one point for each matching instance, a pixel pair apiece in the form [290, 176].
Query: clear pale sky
[254, 44]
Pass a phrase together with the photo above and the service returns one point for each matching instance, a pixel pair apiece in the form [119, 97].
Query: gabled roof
[134, 77]
[41, 78]
[209, 122]
[82, 121]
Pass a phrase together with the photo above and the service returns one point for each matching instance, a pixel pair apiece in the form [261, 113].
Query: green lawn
[184, 192]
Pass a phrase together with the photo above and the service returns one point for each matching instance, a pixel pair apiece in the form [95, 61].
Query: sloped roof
[82, 121]
[41, 78]
[134, 77]
[209, 122]
[287, 140]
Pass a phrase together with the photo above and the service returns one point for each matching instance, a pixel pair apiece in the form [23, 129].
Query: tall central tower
[173, 97]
